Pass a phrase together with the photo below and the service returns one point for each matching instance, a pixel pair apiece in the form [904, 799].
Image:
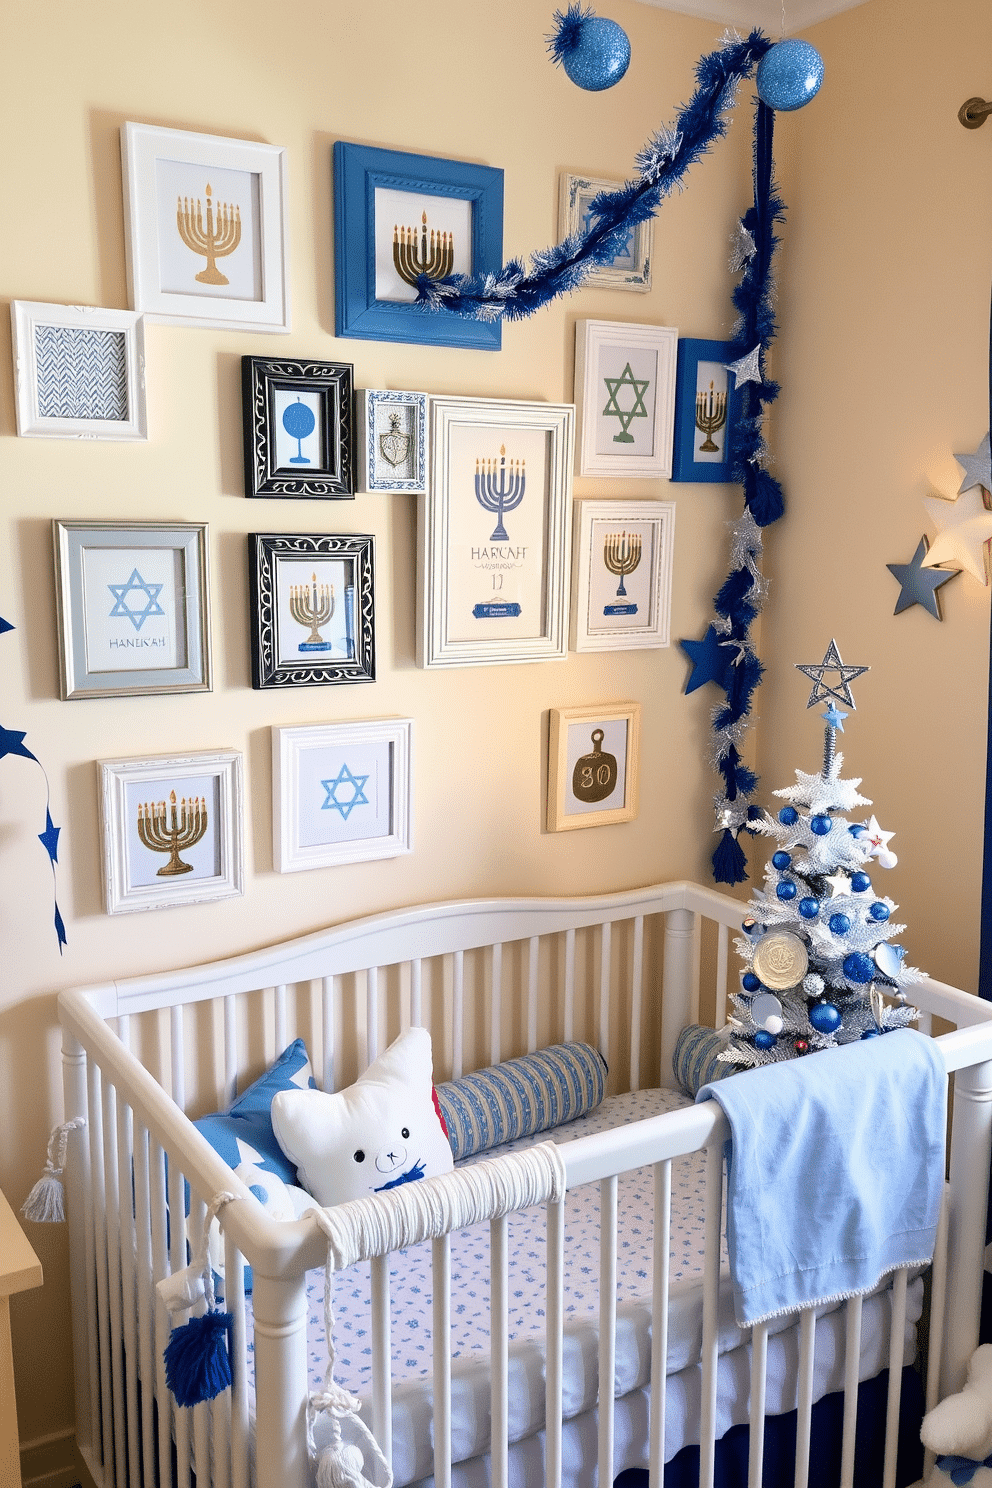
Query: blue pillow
[521, 1096]
[695, 1063]
[244, 1133]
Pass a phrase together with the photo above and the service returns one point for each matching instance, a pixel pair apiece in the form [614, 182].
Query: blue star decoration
[831, 663]
[5, 625]
[919, 584]
[49, 838]
[345, 780]
[834, 718]
[711, 660]
[12, 742]
[136, 585]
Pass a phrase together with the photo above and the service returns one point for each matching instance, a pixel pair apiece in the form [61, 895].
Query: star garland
[513, 294]
[12, 742]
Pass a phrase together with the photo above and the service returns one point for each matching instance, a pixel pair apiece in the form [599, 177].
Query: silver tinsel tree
[818, 952]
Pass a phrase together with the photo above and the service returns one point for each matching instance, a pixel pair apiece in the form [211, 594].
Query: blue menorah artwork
[299, 422]
[499, 490]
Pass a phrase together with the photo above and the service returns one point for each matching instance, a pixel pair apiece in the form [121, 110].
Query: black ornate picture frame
[298, 428]
[312, 608]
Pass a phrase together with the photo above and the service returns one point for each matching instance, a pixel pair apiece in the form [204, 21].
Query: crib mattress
[410, 1306]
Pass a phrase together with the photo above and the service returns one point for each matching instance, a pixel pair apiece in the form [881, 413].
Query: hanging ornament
[789, 75]
[781, 861]
[860, 883]
[594, 51]
[858, 967]
[877, 842]
[801, 1046]
[920, 584]
[964, 527]
[766, 1012]
[764, 1040]
[786, 889]
[781, 960]
[820, 825]
[839, 924]
[825, 1017]
[879, 911]
[888, 959]
[809, 907]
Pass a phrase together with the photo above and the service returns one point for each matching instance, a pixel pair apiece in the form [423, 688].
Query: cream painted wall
[449, 79]
[884, 364]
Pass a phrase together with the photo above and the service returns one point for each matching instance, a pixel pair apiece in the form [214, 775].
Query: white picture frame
[622, 574]
[237, 279]
[133, 608]
[79, 372]
[493, 594]
[391, 442]
[631, 268]
[189, 847]
[366, 793]
[593, 765]
[625, 398]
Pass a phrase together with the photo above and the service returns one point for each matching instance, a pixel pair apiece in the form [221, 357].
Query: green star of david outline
[626, 416]
[345, 777]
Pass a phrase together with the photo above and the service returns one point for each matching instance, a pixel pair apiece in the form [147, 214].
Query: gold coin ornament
[781, 960]
[595, 775]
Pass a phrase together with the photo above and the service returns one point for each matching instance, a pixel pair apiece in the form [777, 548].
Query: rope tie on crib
[391, 1221]
[197, 1357]
[45, 1204]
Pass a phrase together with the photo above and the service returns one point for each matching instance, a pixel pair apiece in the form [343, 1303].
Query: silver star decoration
[742, 248]
[746, 368]
[839, 884]
[831, 663]
[978, 468]
[919, 584]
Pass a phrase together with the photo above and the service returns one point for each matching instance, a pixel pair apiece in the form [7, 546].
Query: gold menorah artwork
[220, 237]
[622, 554]
[711, 414]
[435, 259]
[312, 605]
[172, 829]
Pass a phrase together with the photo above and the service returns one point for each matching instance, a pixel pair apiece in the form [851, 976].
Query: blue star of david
[638, 387]
[344, 778]
[136, 585]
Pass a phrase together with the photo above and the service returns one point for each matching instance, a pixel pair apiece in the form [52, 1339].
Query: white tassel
[45, 1204]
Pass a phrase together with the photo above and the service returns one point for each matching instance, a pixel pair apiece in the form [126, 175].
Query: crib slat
[804, 1416]
[177, 1051]
[126, 1217]
[759, 1377]
[555, 1317]
[441, 1334]
[896, 1346]
[457, 1014]
[95, 1128]
[200, 1413]
[234, 1302]
[722, 938]
[143, 1275]
[533, 950]
[569, 985]
[382, 1393]
[112, 1202]
[327, 1014]
[372, 1014]
[636, 1001]
[711, 1295]
[281, 1036]
[852, 1361]
[938, 1304]
[160, 1320]
[659, 1319]
[230, 1051]
[416, 994]
[605, 942]
[499, 1288]
[607, 1324]
[495, 1003]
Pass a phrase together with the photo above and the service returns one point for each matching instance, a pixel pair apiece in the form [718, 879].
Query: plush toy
[382, 1131]
[959, 1429]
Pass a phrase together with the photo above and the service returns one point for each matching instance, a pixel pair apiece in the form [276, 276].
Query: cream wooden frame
[558, 819]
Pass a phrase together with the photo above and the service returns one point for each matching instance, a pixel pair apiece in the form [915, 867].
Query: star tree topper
[821, 688]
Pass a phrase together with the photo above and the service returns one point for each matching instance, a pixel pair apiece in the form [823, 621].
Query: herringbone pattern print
[82, 374]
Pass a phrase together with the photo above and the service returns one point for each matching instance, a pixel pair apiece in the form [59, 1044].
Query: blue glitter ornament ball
[789, 75]
[594, 51]
[858, 967]
[788, 816]
[786, 889]
[781, 861]
[750, 982]
[820, 825]
[764, 1040]
[809, 908]
[825, 1017]
[860, 883]
[879, 911]
[839, 924]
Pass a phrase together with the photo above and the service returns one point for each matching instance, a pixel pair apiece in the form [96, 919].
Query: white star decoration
[839, 884]
[978, 468]
[747, 368]
[819, 794]
[964, 528]
[878, 842]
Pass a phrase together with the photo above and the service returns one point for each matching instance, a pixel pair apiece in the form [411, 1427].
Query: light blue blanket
[835, 1170]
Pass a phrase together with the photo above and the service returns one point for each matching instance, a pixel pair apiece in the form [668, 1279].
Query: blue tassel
[197, 1361]
[765, 501]
[729, 862]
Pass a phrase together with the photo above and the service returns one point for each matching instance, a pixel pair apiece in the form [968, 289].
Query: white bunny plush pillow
[382, 1131]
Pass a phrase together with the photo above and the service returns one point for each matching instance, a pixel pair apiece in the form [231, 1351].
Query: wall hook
[974, 112]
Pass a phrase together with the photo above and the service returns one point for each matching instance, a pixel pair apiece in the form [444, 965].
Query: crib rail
[577, 968]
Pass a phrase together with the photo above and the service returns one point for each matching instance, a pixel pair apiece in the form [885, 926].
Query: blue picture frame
[361, 170]
[689, 463]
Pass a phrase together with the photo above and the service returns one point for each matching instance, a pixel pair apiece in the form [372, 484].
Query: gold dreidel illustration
[220, 237]
[172, 829]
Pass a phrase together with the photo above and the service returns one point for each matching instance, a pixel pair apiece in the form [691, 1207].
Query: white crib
[490, 979]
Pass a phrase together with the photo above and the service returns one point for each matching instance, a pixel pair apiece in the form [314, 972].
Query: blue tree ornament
[825, 1017]
[594, 51]
[789, 75]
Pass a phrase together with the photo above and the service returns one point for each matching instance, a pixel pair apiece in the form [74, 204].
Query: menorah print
[173, 829]
[435, 259]
[499, 489]
[622, 554]
[312, 605]
[711, 414]
[220, 237]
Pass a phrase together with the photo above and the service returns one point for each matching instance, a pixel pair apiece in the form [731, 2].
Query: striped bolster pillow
[694, 1062]
[521, 1096]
